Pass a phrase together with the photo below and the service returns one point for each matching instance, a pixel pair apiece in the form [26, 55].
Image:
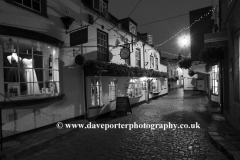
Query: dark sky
[153, 10]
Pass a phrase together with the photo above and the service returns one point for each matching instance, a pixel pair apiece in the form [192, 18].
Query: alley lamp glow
[183, 41]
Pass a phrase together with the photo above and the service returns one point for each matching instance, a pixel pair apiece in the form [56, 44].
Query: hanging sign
[79, 37]
[125, 53]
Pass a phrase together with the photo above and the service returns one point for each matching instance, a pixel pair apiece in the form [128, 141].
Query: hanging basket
[79, 59]
[191, 72]
[185, 63]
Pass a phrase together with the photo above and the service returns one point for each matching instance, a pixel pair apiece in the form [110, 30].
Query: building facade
[40, 81]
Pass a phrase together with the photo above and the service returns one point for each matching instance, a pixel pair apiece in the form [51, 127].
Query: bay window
[30, 68]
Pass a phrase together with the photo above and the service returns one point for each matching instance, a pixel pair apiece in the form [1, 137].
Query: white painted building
[35, 56]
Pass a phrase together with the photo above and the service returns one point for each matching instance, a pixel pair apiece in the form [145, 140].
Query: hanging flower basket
[185, 63]
[79, 59]
[211, 56]
[97, 68]
[191, 72]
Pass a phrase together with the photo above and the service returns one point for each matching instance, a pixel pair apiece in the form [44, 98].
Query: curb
[24, 150]
[222, 143]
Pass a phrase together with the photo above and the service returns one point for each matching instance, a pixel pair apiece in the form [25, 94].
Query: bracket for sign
[77, 29]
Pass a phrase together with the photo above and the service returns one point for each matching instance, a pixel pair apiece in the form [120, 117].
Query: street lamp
[183, 41]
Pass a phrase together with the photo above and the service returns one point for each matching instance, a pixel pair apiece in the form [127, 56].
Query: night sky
[153, 10]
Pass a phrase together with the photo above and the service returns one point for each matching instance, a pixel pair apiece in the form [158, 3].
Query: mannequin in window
[15, 73]
[30, 76]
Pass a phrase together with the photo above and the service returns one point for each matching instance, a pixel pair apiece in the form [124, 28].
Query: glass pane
[18, 1]
[92, 92]
[10, 44]
[55, 75]
[27, 3]
[37, 48]
[38, 75]
[25, 46]
[36, 6]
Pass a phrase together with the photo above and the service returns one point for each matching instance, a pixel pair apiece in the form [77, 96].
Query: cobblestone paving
[178, 107]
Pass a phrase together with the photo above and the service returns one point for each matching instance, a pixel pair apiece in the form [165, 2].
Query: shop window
[36, 6]
[156, 62]
[155, 85]
[144, 85]
[215, 72]
[96, 92]
[134, 88]
[137, 58]
[132, 28]
[30, 68]
[112, 90]
[102, 45]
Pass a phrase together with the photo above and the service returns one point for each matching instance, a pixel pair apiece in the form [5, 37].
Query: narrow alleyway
[178, 107]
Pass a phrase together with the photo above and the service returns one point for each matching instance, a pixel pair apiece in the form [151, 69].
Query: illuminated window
[112, 90]
[215, 78]
[134, 88]
[96, 92]
[30, 68]
[155, 85]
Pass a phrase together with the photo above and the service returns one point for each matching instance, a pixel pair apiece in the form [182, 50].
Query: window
[134, 88]
[96, 92]
[215, 72]
[112, 90]
[156, 62]
[132, 28]
[149, 39]
[151, 61]
[127, 61]
[155, 86]
[30, 68]
[36, 6]
[137, 58]
[144, 85]
[99, 5]
[102, 45]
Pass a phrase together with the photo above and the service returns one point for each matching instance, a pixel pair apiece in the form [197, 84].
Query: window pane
[27, 3]
[36, 6]
[10, 44]
[25, 46]
[18, 1]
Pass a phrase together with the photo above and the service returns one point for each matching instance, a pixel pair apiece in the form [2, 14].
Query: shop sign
[123, 105]
[79, 37]
[124, 53]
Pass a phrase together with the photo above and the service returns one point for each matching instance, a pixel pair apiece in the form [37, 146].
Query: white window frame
[48, 84]
[132, 28]
[102, 6]
[137, 57]
[215, 80]
[112, 90]
[134, 86]
[96, 98]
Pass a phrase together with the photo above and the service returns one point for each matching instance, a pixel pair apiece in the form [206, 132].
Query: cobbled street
[178, 107]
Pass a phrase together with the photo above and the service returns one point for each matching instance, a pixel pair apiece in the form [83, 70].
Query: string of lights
[186, 28]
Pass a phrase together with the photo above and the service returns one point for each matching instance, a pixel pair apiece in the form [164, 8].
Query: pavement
[223, 134]
[178, 107]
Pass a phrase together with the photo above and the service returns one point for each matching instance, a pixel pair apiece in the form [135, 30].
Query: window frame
[156, 62]
[131, 84]
[101, 7]
[138, 59]
[43, 7]
[132, 28]
[127, 61]
[111, 87]
[151, 61]
[29, 96]
[96, 98]
[215, 78]
[102, 54]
